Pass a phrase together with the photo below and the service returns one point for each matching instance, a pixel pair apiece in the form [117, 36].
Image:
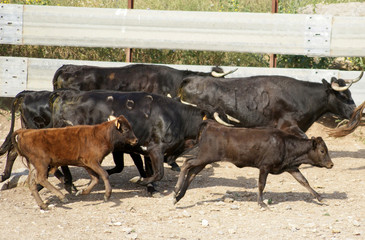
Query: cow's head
[319, 153]
[192, 90]
[126, 134]
[339, 98]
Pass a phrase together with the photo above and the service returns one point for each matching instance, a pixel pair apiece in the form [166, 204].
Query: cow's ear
[314, 142]
[118, 124]
[148, 99]
[326, 84]
[129, 104]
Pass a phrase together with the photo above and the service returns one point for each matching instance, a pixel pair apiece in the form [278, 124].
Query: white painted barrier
[298, 34]
[17, 74]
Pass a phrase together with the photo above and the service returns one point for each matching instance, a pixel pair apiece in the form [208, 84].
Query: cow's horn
[111, 118]
[336, 87]
[219, 120]
[216, 74]
[232, 119]
[356, 79]
[187, 103]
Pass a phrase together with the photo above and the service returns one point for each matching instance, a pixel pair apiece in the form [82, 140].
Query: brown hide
[268, 149]
[84, 146]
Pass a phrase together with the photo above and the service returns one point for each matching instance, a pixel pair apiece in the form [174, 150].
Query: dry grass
[168, 56]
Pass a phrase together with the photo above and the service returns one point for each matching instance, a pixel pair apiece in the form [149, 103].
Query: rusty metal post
[274, 9]
[130, 4]
[129, 51]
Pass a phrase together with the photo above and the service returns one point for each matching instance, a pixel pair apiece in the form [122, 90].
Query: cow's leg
[182, 178]
[148, 166]
[172, 162]
[68, 179]
[42, 172]
[157, 167]
[183, 175]
[194, 170]
[10, 159]
[303, 181]
[147, 172]
[262, 183]
[33, 187]
[105, 176]
[118, 158]
[137, 159]
[94, 180]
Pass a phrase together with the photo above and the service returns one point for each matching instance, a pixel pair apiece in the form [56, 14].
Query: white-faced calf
[268, 149]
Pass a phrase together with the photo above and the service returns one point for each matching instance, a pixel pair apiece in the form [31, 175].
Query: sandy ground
[220, 203]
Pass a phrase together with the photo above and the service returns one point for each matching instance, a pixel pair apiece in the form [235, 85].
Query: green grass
[176, 56]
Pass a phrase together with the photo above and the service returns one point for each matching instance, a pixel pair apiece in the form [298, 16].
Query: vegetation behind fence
[181, 56]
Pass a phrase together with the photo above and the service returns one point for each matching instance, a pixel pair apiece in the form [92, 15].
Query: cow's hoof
[78, 192]
[70, 188]
[43, 206]
[175, 167]
[263, 206]
[64, 200]
[106, 198]
[136, 179]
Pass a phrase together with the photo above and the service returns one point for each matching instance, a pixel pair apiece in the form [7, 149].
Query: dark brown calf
[268, 149]
[83, 146]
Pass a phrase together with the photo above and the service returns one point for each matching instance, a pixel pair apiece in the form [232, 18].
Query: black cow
[268, 149]
[34, 114]
[156, 79]
[162, 125]
[275, 101]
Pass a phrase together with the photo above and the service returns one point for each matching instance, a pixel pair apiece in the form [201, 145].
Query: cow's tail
[15, 143]
[353, 123]
[55, 81]
[7, 143]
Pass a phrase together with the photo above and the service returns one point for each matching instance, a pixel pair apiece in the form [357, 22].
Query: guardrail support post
[129, 51]
[274, 9]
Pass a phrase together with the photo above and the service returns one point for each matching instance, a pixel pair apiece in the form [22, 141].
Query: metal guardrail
[17, 74]
[298, 34]
[314, 35]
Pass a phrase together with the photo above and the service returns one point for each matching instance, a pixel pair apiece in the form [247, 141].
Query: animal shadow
[280, 197]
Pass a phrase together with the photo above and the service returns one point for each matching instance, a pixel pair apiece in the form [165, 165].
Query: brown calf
[268, 149]
[83, 146]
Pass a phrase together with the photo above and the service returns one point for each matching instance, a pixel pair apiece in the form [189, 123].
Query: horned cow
[276, 101]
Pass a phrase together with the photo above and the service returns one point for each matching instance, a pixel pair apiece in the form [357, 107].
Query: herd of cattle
[162, 113]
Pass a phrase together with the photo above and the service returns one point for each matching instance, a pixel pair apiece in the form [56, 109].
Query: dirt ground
[220, 203]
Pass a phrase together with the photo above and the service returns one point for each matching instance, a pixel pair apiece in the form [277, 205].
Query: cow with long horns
[276, 101]
[158, 79]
